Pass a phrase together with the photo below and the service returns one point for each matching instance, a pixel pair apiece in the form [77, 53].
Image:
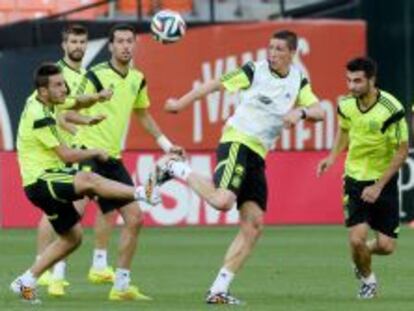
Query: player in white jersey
[273, 94]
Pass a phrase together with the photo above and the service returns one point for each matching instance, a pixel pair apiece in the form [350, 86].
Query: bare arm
[148, 122]
[71, 155]
[176, 105]
[88, 100]
[70, 118]
[154, 130]
[396, 163]
[312, 113]
[371, 193]
[340, 144]
[80, 119]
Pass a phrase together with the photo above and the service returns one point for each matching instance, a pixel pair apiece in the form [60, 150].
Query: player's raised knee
[222, 200]
[386, 247]
[85, 182]
[356, 241]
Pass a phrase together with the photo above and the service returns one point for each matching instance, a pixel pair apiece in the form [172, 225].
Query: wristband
[164, 143]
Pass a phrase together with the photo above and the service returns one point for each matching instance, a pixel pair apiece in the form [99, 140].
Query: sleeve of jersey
[238, 79]
[343, 120]
[68, 104]
[45, 131]
[396, 128]
[306, 96]
[90, 84]
[142, 101]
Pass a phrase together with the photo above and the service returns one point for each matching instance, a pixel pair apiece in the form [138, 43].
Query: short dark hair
[43, 72]
[365, 64]
[74, 29]
[289, 36]
[120, 27]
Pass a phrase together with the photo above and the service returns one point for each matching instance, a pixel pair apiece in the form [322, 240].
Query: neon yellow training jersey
[374, 134]
[36, 137]
[73, 78]
[265, 98]
[129, 93]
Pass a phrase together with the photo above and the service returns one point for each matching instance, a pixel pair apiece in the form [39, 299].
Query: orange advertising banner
[208, 52]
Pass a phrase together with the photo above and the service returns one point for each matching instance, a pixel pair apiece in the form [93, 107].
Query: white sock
[122, 279]
[100, 261]
[180, 170]
[369, 279]
[222, 282]
[139, 194]
[28, 279]
[59, 270]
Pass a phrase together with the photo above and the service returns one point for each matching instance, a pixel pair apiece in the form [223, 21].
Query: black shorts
[112, 169]
[242, 171]
[382, 216]
[54, 193]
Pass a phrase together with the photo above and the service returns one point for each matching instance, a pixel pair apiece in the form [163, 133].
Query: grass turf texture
[292, 268]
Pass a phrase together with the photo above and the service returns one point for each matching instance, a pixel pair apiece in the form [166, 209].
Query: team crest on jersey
[373, 126]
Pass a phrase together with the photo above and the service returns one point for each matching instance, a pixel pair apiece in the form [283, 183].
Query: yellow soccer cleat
[106, 275]
[56, 288]
[131, 293]
[45, 279]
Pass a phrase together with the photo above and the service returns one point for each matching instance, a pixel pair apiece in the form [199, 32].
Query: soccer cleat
[45, 278]
[151, 191]
[106, 275]
[367, 290]
[16, 285]
[27, 293]
[131, 293]
[162, 169]
[56, 288]
[222, 299]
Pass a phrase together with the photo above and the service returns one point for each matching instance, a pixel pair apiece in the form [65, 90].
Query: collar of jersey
[46, 107]
[275, 73]
[70, 67]
[365, 111]
[123, 76]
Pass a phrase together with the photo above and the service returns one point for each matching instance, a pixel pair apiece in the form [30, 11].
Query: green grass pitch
[293, 268]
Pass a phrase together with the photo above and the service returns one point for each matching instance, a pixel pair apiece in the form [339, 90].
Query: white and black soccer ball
[167, 26]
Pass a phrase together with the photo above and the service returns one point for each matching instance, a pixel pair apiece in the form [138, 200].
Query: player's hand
[102, 155]
[370, 194]
[324, 165]
[292, 118]
[104, 95]
[96, 119]
[172, 105]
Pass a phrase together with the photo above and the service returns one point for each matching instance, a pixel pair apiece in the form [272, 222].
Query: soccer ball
[167, 26]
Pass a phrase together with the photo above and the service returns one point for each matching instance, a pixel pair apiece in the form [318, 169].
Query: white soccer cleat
[27, 293]
[163, 171]
[16, 285]
[149, 192]
[368, 290]
[223, 298]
